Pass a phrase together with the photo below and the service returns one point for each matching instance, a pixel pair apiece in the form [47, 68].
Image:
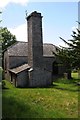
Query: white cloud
[20, 32]
[4, 3]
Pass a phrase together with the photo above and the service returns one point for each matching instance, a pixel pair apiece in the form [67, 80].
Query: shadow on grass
[72, 85]
[73, 88]
[77, 90]
[14, 108]
[57, 87]
[67, 81]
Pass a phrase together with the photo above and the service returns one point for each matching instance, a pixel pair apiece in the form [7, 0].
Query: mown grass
[58, 101]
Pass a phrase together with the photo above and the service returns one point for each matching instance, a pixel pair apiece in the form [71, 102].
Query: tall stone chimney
[38, 76]
[35, 40]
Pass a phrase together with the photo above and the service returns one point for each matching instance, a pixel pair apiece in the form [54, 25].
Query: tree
[7, 38]
[63, 54]
[71, 55]
[76, 48]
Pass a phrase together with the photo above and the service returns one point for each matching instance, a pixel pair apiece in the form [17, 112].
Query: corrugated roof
[20, 68]
[21, 49]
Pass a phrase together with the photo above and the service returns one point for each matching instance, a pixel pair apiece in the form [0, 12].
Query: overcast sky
[59, 18]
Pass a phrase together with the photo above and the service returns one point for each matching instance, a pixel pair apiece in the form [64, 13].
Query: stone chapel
[32, 63]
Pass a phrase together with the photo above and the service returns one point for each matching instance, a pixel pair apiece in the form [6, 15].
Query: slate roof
[18, 49]
[48, 49]
[19, 69]
[21, 49]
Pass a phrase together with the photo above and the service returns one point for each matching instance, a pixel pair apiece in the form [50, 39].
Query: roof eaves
[20, 69]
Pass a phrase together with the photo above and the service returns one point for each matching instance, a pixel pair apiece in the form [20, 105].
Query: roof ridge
[10, 46]
[15, 44]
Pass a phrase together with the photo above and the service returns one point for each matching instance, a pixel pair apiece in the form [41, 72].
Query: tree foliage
[76, 48]
[72, 53]
[70, 56]
[7, 38]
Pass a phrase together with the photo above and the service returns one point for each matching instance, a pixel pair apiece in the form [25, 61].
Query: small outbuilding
[19, 76]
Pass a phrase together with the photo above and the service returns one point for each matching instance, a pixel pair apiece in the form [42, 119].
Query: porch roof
[20, 68]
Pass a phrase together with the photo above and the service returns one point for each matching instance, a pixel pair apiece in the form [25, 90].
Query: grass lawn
[75, 75]
[58, 101]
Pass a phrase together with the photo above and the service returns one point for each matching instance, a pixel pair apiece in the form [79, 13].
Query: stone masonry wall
[15, 61]
[35, 43]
